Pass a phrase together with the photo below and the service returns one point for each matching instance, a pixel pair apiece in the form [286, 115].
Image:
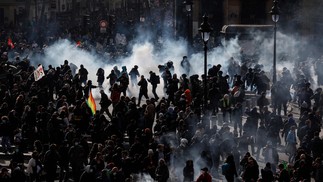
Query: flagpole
[89, 89]
[31, 74]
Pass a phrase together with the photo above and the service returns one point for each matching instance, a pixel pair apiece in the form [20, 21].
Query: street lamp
[188, 7]
[275, 17]
[205, 30]
[139, 10]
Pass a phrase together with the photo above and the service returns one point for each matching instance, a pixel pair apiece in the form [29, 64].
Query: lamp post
[188, 7]
[275, 17]
[205, 30]
[139, 11]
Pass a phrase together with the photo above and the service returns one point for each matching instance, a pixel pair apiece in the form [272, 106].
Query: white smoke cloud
[147, 56]
[142, 178]
[144, 54]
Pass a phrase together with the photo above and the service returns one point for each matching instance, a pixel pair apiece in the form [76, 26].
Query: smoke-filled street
[160, 91]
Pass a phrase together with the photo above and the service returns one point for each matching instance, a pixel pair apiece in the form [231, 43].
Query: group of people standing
[167, 137]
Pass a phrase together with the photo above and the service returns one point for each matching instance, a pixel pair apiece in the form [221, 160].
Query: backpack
[157, 79]
[225, 168]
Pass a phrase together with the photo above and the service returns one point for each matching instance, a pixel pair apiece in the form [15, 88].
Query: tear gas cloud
[143, 54]
[147, 56]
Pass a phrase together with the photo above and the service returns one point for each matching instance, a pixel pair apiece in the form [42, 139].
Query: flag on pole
[10, 43]
[39, 73]
[91, 102]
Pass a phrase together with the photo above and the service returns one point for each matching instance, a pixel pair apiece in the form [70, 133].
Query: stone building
[299, 15]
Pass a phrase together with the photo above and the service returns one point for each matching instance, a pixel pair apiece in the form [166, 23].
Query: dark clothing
[63, 162]
[100, 75]
[18, 175]
[87, 176]
[316, 147]
[185, 64]
[105, 102]
[251, 173]
[124, 82]
[78, 160]
[50, 165]
[113, 78]
[267, 175]
[83, 74]
[154, 81]
[87, 89]
[134, 73]
[283, 176]
[150, 165]
[188, 173]
[231, 172]
[318, 172]
[143, 89]
[261, 102]
[162, 173]
[116, 177]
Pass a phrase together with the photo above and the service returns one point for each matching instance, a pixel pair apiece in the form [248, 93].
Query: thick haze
[290, 49]
[147, 57]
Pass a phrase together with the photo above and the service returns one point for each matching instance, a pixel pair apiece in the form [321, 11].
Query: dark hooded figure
[154, 81]
[167, 75]
[124, 82]
[162, 172]
[262, 82]
[100, 75]
[262, 101]
[251, 172]
[105, 102]
[223, 83]
[88, 174]
[188, 171]
[87, 88]
[134, 73]
[143, 91]
[83, 74]
[113, 77]
[231, 171]
[282, 96]
[252, 120]
[249, 77]
[283, 174]
[185, 64]
[50, 163]
[266, 173]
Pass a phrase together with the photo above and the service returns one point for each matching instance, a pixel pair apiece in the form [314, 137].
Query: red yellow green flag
[91, 103]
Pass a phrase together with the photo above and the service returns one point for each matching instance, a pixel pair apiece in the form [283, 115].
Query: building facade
[297, 15]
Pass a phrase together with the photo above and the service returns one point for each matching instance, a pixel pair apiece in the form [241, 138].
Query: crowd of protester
[168, 137]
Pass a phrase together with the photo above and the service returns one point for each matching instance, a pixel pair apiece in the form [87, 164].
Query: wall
[231, 12]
